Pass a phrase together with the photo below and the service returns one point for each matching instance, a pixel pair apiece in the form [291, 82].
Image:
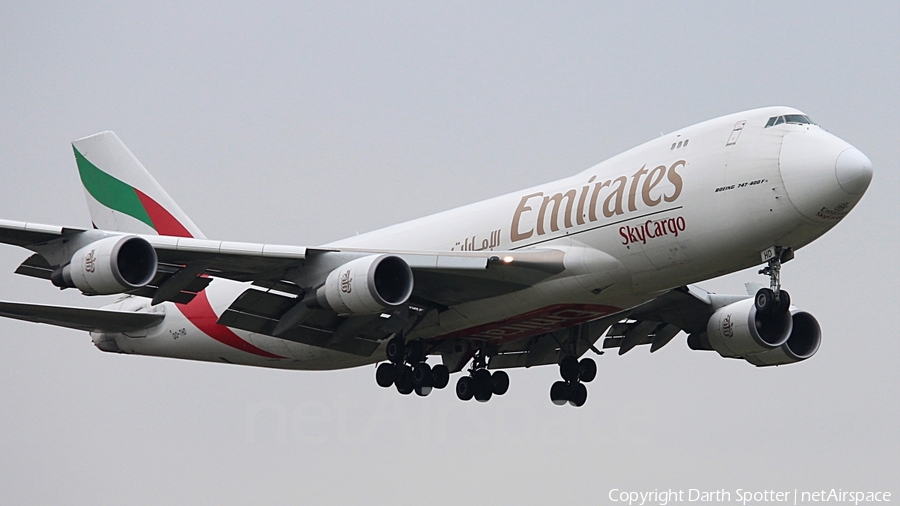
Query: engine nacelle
[367, 285]
[803, 343]
[738, 330]
[108, 266]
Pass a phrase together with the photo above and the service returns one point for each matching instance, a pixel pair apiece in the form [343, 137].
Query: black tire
[415, 351]
[423, 391]
[395, 350]
[484, 385]
[404, 381]
[569, 369]
[764, 301]
[559, 393]
[386, 374]
[499, 382]
[483, 394]
[422, 376]
[587, 370]
[440, 376]
[465, 388]
[784, 301]
[578, 395]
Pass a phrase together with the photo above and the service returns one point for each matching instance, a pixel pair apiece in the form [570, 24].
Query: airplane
[534, 277]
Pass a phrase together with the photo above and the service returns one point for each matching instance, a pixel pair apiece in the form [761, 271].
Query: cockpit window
[798, 119]
[793, 119]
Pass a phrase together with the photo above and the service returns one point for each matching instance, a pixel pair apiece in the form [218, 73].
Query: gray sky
[301, 124]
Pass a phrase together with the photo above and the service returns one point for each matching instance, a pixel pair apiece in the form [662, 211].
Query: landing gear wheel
[386, 374]
[578, 395]
[765, 300]
[404, 381]
[784, 301]
[484, 386]
[440, 376]
[483, 393]
[569, 368]
[559, 393]
[415, 351]
[465, 388]
[422, 376]
[499, 382]
[423, 391]
[587, 370]
[395, 350]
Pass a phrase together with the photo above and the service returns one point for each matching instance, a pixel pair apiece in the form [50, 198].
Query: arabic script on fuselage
[472, 244]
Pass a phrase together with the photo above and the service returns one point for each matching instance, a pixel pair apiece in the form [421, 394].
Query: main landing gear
[408, 371]
[575, 374]
[481, 383]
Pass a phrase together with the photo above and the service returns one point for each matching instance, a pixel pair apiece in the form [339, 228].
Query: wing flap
[35, 266]
[259, 311]
[91, 320]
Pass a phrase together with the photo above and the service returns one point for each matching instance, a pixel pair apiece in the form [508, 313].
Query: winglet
[122, 195]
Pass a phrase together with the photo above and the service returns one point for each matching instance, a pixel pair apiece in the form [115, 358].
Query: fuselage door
[738, 128]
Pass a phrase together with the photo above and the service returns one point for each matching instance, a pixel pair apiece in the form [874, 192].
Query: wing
[443, 278]
[91, 320]
[283, 274]
[656, 322]
[687, 308]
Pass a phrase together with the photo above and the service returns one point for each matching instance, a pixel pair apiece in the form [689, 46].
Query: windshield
[794, 119]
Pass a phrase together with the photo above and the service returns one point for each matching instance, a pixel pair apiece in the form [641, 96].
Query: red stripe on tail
[163, 221]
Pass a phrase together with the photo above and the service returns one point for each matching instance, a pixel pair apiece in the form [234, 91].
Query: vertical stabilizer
[122, 195]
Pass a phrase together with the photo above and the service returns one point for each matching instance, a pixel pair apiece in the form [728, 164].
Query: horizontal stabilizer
[91, 320]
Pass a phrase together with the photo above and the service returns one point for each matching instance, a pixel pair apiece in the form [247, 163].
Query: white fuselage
[691, 205]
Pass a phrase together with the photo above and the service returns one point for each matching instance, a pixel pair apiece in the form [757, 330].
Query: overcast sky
[304, 123]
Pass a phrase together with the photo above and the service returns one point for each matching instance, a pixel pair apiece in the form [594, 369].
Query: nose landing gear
[773, 299]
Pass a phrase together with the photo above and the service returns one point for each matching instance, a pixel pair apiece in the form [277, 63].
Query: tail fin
[122, 195]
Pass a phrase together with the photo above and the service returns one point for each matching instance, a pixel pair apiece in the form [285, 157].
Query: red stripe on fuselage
[539, 321]
[163, 221]
[201, 314]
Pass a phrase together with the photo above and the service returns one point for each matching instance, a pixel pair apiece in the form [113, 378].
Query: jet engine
[740, 330]
[802, 344]
[108, 266]
[367, 285]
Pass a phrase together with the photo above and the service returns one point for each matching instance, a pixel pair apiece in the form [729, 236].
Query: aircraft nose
[824, 176]
[854, 171]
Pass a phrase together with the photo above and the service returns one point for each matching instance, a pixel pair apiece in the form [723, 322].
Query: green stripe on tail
[109, 191]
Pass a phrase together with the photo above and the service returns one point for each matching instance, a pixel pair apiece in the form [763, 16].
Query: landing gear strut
[407, 370]
[773, 299]
[481, 383]
[575, 373]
